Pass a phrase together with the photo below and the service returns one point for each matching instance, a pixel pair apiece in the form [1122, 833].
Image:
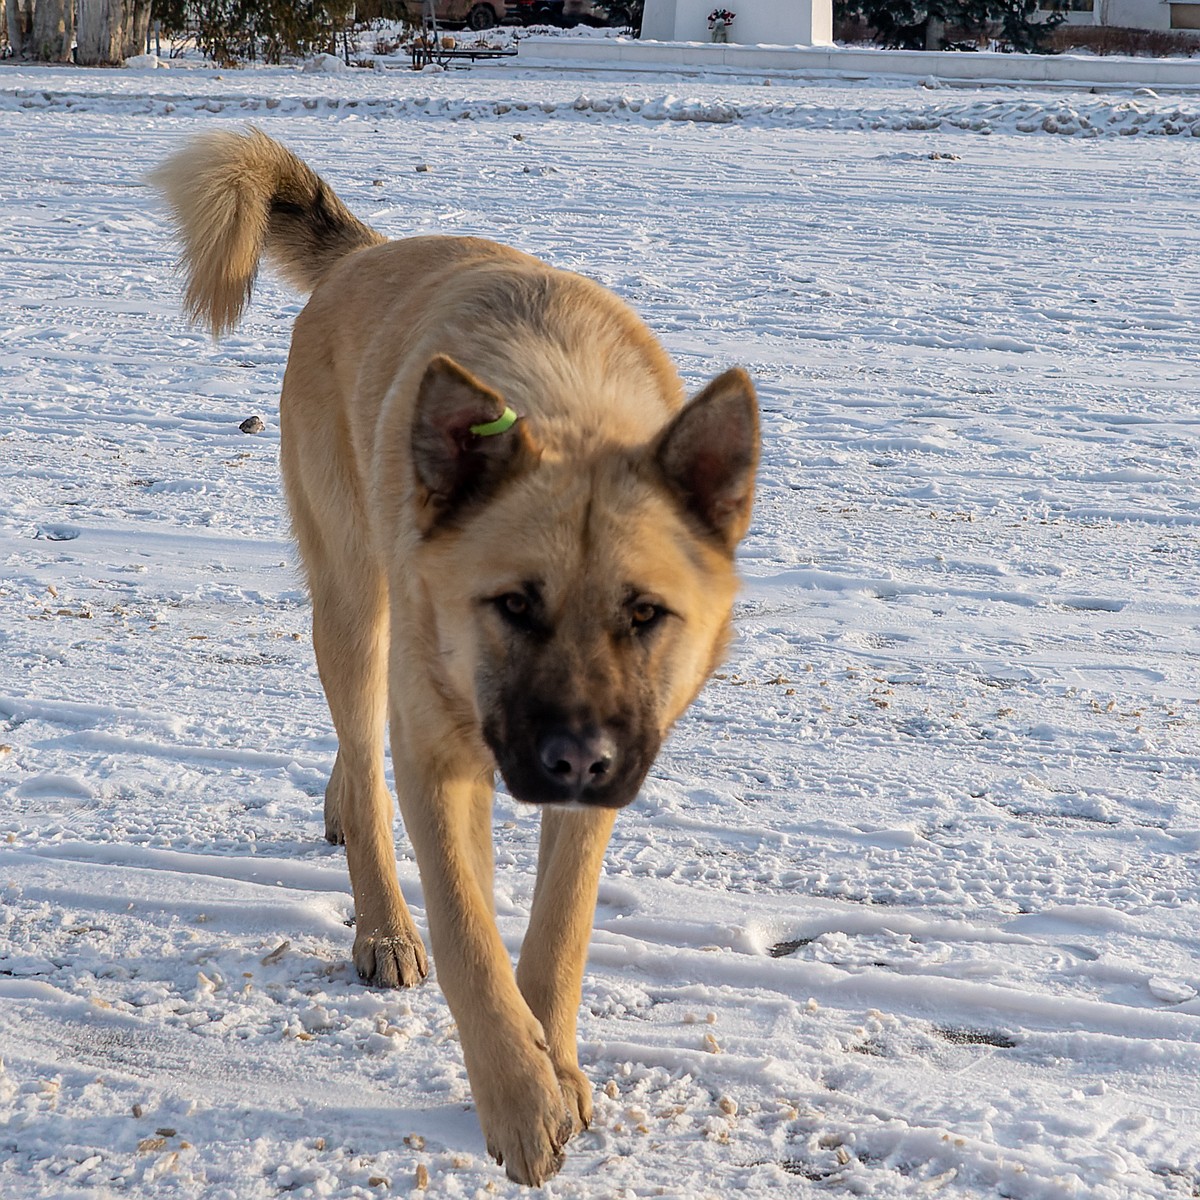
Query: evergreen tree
[925, 24]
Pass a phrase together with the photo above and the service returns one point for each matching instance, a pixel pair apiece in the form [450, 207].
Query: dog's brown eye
[516, 608]
[645, 615]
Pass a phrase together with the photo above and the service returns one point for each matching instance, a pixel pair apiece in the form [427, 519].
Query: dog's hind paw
[577, 1092]
[395, 961]
[335, 835]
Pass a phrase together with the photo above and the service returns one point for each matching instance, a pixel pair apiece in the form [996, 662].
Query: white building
[757, 22]
[810, 22]
[1161, 15]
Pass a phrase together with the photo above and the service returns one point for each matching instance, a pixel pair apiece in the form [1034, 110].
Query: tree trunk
[51, 40]
[137, 27]
[19, 15]
[101, 37]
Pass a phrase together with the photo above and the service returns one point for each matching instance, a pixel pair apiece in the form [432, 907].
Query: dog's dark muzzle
[562, 763]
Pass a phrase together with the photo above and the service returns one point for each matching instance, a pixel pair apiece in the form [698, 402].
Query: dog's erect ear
[465, 442]
[709, 453]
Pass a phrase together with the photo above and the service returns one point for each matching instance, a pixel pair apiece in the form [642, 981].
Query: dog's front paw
[527, 1121]
[395, 960]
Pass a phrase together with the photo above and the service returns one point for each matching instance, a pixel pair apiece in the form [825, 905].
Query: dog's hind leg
[350, 639]
[554, 953]
[349, 636]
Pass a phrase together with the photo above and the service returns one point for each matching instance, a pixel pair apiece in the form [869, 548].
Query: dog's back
[552, 342]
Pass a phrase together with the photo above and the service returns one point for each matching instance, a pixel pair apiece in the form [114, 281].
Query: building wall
[759, 22]
[1135, 14]
[1158, 15]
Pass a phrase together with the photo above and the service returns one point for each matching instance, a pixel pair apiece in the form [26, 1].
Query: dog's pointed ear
[709, 453]
[465, 442]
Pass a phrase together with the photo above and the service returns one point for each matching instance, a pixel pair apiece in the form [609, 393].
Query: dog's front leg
[550, 973]
[525, 1118]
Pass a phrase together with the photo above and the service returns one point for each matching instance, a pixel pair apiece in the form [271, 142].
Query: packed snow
[910, 904]
[355, 93]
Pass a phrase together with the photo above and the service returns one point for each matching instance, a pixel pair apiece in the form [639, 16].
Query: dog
[519, 544]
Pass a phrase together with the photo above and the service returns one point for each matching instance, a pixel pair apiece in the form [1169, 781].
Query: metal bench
[433, 53]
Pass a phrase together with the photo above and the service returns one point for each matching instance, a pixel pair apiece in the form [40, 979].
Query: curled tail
[238, 196]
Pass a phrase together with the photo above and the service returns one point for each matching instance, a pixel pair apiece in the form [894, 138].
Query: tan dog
[544, 594]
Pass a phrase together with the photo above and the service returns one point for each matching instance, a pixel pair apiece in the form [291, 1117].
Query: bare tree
[101, 36]
[136, 27]
[109, 31]
[53, 30]
[19, 16]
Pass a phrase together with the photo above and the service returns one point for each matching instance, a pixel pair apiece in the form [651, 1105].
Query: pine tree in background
[1018, 29]
[954, 24]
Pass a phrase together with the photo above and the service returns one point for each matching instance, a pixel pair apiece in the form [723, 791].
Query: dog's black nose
[577, 761]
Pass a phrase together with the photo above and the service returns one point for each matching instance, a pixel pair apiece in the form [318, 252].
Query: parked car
[569, 13]
[474, 14]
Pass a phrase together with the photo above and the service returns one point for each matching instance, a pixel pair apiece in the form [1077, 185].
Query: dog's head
[580, 602]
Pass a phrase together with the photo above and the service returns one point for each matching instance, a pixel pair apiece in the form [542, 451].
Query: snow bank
[1075, 116]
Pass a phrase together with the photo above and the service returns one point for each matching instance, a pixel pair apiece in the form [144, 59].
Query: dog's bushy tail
[236, 197]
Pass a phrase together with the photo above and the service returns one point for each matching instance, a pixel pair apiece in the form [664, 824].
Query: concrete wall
[837, 62]
[759, 22]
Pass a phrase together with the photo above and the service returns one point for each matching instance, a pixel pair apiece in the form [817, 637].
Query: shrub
[237, 31]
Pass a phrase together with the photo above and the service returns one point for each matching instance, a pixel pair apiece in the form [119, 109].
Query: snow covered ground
[910, 905]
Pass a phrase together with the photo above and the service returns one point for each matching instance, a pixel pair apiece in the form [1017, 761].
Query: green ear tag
[502, 424]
